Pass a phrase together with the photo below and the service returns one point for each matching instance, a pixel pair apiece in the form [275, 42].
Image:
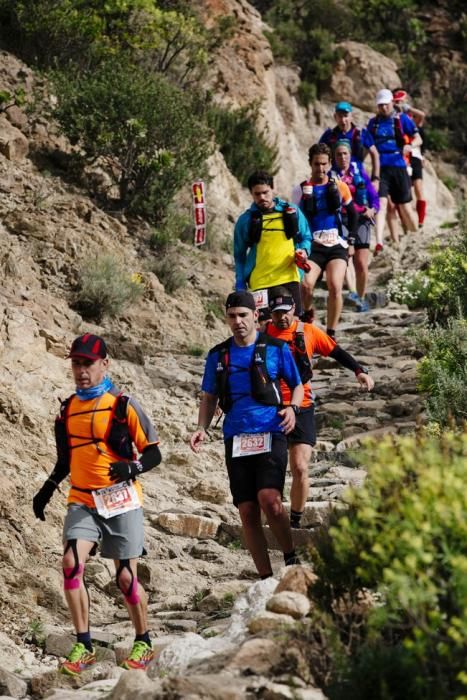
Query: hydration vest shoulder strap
[222, 375]
[302, 359]
[255, 228]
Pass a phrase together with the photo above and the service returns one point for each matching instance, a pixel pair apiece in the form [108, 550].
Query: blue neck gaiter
[94, 391]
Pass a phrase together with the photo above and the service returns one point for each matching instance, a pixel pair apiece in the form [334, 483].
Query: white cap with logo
[384, 97]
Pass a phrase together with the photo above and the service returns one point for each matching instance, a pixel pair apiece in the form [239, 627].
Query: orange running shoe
[79, 659]
[140, 657]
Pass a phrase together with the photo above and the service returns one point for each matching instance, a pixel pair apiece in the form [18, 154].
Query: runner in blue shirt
[243, 375]
[360, 139]
[395, 135]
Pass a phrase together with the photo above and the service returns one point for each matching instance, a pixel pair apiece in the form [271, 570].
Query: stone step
[301, 538]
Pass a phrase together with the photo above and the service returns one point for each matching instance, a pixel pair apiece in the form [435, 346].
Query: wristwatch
[295, 408]
[361, 370]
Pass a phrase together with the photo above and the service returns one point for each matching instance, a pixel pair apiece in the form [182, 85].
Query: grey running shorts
[120, 537]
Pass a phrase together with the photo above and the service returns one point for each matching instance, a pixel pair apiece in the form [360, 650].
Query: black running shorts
[417, 168]
[395, 182]
[304, 432]
[321, 254]
[248, 475]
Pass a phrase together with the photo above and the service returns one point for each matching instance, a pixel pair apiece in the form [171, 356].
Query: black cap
[92, 347]
[241, 298]
[281, 302]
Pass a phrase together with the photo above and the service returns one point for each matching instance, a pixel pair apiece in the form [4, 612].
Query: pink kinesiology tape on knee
[132, 596]
[72, 583]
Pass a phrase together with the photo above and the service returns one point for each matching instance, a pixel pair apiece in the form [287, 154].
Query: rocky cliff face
[49, 228]
[244, 72]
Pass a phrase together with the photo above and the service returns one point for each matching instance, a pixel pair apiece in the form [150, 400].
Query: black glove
[41, 499]
[124, 471]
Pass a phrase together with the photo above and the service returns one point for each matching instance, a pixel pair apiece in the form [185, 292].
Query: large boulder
[360, 73]
[13, 143]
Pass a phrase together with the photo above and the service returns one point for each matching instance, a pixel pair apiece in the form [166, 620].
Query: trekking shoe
[308, 316]
[140, 657]
[378, 249]
[79, 659]
[353, 297]
[362, 306]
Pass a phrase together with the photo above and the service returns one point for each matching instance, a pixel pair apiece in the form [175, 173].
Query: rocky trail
[200, 580]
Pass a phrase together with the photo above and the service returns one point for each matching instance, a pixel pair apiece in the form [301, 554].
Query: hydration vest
[290, 218]
[360, 196]
[300, 354]
[117, 436]
[333, 198]
[358, 151]
[398, 132]
[263, 389]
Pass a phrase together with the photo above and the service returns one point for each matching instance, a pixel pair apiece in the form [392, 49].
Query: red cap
[399, 95]
[92, 347]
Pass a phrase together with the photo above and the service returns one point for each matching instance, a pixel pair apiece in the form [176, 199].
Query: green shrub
[151, 131]
[307, 93]
[244, 146]
[392, 575]
[177, 226]
[106, 288]
[171, 40]
[443, 371]
[442, 287]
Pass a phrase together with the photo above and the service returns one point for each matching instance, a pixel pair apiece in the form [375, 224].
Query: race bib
[115, 500]
[329, 237]
[261, 298]
[251, 444]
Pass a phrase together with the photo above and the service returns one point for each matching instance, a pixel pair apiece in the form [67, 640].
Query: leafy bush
[392, 576]
[106, 288]
[442, 287]
[172, 39]
[443, 371]
[244, 146]
[151, 131]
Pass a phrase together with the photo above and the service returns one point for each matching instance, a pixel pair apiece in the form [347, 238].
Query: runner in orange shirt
[304, 340]
[95, 434]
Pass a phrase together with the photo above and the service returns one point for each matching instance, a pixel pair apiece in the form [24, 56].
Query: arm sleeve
[150, 458]
[304, 234]
[240, 248]
[324, 138]
[60, 472]
[345, 359]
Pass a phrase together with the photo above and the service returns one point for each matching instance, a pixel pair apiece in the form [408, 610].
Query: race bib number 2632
[248, 444]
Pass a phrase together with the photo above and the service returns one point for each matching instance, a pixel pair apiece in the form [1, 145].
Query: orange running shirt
[316, 341]
[90, 460]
